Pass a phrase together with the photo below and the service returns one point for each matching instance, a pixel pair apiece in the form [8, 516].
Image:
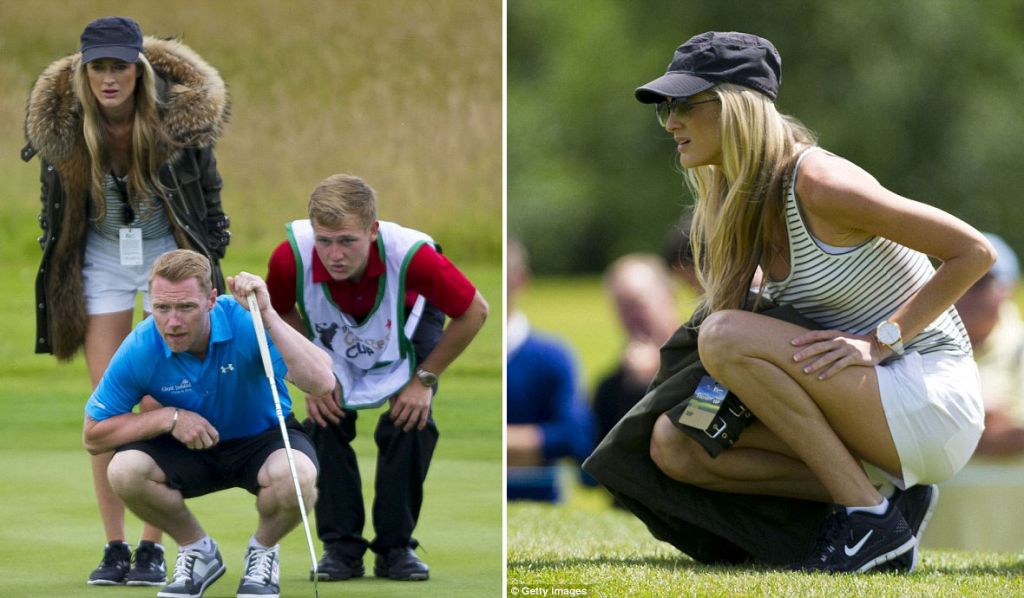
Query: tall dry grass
[405, 93]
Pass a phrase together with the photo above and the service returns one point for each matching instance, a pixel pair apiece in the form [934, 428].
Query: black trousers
[402, 462]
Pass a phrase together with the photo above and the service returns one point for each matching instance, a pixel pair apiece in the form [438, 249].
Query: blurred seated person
[547, 420]
[644, 295]
[996, 331]
[678, 255]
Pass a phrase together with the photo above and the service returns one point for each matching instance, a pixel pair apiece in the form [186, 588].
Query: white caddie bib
[373, 359]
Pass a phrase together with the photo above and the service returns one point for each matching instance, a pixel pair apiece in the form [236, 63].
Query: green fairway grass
[610, 553]
[51, 537]
[404, 93]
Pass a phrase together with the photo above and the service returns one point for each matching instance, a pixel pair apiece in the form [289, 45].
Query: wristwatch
[427, 378]
[889, 334]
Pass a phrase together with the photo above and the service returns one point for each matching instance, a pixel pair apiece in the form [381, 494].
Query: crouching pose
[198, 356]
[888, 390]
[374, 296]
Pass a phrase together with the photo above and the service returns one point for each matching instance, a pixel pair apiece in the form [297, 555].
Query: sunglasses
[681, 107]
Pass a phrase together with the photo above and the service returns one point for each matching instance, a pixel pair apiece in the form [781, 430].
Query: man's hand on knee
[410, 408]
[324, 409]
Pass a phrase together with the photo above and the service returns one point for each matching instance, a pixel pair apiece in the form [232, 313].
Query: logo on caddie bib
[326, 334]
[357, 345]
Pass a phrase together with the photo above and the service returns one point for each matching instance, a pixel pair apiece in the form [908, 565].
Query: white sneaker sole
[910, 544]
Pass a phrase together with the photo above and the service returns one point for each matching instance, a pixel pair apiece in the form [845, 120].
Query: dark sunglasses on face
[680, 106]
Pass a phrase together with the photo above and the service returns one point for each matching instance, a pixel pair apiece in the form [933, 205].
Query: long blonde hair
[738, 220]
[150, 144]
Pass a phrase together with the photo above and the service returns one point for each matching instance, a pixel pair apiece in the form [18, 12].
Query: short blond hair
[342, 196]
[182, 264]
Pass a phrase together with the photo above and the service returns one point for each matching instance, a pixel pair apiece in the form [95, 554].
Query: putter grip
[261, 335]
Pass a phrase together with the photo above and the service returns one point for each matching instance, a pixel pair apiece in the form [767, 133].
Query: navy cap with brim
[715, 57]
[123, 53]
[672, 85]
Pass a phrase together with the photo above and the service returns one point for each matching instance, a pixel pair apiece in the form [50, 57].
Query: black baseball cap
[112, 37]
[708, 59]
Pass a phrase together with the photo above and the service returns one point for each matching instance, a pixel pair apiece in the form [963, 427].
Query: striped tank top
[152, 218]
[853, 289]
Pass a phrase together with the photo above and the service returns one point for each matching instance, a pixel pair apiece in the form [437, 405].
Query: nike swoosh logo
[856, 547]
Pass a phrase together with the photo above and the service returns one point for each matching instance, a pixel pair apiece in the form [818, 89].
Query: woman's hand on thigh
[829, 351]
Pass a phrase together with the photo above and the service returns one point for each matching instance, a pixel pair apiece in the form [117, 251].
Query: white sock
[205, 545]
[879, 509]
[254, 543]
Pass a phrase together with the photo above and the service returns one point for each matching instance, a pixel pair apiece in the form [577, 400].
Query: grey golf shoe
[261, 578]
[193, 573]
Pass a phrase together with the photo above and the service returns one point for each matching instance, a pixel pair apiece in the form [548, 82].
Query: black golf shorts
[230, 464]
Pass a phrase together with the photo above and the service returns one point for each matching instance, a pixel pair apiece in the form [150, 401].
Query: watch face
[888, 333]
[426, 377]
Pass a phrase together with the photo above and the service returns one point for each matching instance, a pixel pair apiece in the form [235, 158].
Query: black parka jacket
[194, 111]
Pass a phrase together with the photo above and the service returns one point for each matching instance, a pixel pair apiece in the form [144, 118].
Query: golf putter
[268, 367]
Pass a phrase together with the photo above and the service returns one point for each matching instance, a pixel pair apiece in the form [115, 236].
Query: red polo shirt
[429, 274]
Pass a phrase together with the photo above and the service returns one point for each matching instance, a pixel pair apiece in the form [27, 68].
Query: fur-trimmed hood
[193, 112]
[194, 101]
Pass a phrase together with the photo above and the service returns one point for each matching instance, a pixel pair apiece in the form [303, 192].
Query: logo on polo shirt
[227, 368]
[184, 386]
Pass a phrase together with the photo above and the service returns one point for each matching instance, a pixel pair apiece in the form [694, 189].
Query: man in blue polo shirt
[198, 356]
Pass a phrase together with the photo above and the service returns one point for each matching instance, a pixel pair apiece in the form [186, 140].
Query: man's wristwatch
[428, 379]
[889, 334]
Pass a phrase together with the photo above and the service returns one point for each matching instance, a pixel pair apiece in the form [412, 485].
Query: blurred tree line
[924, 94]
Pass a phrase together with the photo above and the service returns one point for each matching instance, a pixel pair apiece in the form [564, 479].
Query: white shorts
[934, 408]
[110, 287]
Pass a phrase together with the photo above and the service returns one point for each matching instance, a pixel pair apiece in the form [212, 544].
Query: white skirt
[110, 287]
[935, 413]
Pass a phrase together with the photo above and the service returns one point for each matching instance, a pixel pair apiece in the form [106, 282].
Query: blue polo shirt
[228, 387]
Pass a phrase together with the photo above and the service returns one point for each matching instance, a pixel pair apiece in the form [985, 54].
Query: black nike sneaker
[117, 558]
[859, 541]
[916, 504]
[148, 567]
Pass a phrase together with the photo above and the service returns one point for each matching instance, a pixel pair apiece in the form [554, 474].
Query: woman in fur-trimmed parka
[125, 130]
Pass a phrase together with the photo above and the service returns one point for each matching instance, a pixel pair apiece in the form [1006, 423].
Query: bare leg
[759, 463]
[276, 502]
[142, 485]
[811, 433]
[103, 336]
[824, 423]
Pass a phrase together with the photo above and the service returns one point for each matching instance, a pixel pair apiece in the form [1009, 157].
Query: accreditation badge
[131, 246]
[704, 404]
